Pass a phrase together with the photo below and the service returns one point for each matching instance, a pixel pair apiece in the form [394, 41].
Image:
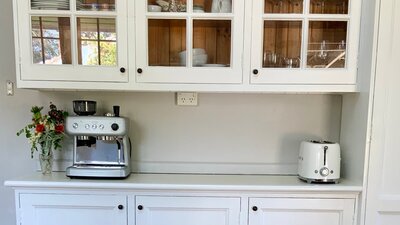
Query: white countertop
[183, 182]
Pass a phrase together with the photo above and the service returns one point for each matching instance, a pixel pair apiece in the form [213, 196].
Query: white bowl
[182, 58]
[215, 65]
[198, 51]
[199, 57]
[154, 8]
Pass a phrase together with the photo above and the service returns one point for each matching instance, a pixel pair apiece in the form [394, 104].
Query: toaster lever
[325, 149]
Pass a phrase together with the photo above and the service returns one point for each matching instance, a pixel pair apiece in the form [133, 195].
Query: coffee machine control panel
[96, 125]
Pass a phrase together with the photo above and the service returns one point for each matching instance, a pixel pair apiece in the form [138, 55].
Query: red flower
[39, 128]
[59, 128]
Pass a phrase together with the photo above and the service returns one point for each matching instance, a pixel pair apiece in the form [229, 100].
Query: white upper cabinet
[305, 41]
[71, 40]
[189, 41]
[188, 45]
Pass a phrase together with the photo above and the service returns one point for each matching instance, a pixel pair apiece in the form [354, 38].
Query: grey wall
[226, 133]
[14, 160]
[252, 132]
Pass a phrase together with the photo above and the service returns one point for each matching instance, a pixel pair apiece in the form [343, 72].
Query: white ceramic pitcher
[221, 6]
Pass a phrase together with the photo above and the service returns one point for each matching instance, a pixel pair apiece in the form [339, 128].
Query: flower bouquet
[46, 131]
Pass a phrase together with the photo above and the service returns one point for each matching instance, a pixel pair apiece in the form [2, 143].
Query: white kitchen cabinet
[383, 183]
[247, 46]
[180, 199]
[71, 40]
[194, 44]
[66, 209]
[160, 210]
[305, 42]
[301, 211]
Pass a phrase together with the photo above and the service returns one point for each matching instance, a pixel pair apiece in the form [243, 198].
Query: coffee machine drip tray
[98, 171]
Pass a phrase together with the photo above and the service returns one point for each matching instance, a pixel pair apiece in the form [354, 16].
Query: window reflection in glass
[97, 41]
[51, 40]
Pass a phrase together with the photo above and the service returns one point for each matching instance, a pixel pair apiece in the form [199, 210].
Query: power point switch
[186, 98]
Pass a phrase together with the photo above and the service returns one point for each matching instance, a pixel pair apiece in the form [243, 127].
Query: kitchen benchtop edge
[183, 182]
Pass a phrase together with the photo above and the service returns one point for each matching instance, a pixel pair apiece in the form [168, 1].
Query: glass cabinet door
[327, 44]
[305, 41]
[97, 41]
[51, 40]
[73, 40]
[95, 5]
[192, 41]
[282, 44]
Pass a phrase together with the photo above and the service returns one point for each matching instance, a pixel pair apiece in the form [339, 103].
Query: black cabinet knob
[120, 207]
[140, 207]
[255, 208]
[122, 70]
[255, 71]
[139, 70]
[114, 127]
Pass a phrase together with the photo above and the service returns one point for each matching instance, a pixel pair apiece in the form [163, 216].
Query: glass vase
[46, 163]
[46, 159]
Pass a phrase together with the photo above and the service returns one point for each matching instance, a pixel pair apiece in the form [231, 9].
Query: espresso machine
[101, 145]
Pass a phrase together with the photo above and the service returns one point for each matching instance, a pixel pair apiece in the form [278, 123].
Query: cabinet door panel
[317, 45]
[383, 193]
[187, 210]
[48, 209]
[202, 44]
[87, 44]
[284, 211]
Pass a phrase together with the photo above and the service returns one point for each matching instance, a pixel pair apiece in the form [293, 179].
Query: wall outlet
[186, 98]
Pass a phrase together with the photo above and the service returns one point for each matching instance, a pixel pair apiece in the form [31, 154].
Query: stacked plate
[50, 4]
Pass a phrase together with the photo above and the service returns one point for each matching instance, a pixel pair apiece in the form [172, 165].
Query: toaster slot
[325, 149]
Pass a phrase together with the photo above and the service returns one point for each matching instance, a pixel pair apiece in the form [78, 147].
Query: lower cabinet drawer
[160, 210]
[299, 211]
[65, 209]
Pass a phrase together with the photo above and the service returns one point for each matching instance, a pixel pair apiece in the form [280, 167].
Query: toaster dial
[324, 171]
